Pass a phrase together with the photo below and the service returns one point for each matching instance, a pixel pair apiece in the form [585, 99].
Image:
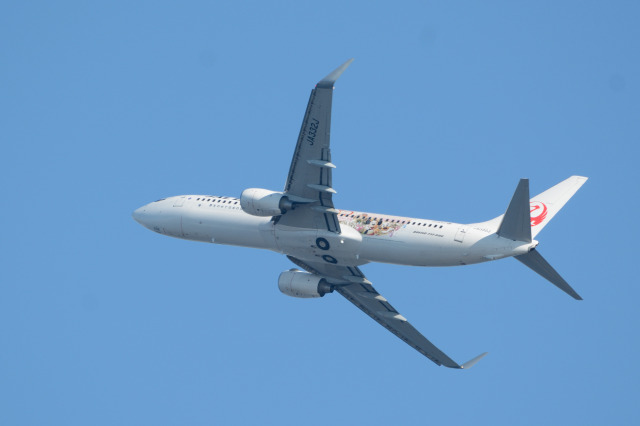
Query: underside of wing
[309, 180]
[310, 189]
[352, 284]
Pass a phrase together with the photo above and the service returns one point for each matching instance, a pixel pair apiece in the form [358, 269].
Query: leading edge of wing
[351, 283]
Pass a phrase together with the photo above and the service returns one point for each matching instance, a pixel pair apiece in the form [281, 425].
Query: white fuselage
[365, 237]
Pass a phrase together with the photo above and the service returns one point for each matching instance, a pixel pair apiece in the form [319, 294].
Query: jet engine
[296, 283]
[262, 202]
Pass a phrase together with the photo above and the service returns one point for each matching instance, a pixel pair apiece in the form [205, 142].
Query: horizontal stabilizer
[516, 223]
[537, 263]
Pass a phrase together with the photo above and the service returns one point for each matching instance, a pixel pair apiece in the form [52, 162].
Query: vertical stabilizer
[545, 206]
[516, 222]
[542, 208]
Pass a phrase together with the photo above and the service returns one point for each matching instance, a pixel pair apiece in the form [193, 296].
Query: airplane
[329, 245]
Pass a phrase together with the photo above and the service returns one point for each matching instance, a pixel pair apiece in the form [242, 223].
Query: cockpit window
[161, 199]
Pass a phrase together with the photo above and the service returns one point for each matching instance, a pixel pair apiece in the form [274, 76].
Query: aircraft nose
[139, 215]
[160, 217]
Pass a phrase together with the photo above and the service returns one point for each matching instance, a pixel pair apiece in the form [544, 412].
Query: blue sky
[105, 107]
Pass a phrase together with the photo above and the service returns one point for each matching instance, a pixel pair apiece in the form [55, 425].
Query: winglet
[329, 81]
[467, 365]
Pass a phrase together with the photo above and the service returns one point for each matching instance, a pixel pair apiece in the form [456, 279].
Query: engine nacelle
[262, 202]
[296, 283]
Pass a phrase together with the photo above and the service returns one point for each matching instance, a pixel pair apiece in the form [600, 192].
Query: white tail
[545, 206]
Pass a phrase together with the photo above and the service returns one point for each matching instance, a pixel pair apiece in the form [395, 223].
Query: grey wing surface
[351, 283]
[309, 182]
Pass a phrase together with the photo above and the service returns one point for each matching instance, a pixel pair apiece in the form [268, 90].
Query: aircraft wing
[351, 283]
[309, 181]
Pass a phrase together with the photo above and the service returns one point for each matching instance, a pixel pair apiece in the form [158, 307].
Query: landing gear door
[460, 235]
[179, 202]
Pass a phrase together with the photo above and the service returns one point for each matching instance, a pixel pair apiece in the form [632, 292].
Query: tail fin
[525, 218]
[542, 208]
[538, 264]
[545, 206]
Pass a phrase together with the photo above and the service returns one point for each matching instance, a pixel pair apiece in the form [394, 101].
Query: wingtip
[467, 365]
[330, 79]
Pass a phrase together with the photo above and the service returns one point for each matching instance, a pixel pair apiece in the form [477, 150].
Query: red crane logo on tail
[538, 212]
